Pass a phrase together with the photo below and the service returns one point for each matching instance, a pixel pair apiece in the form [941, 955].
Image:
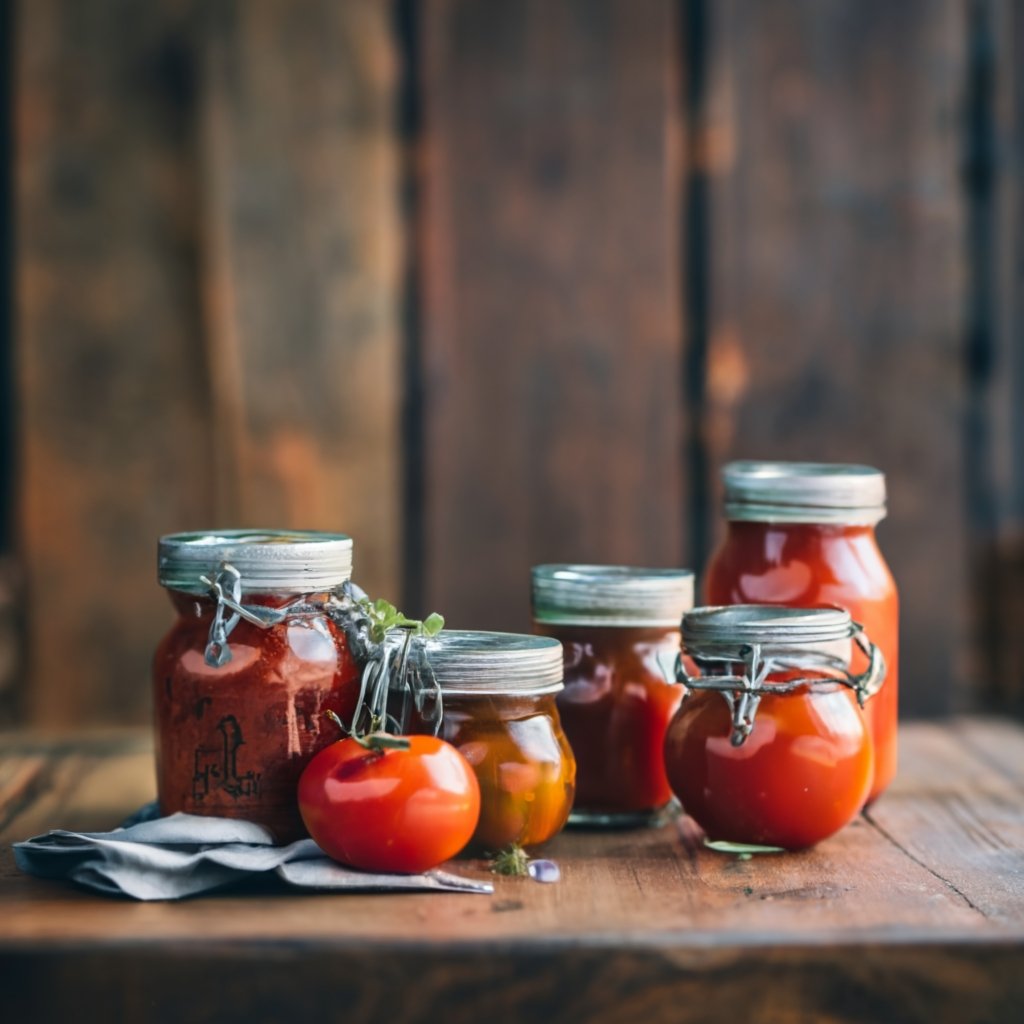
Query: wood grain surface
[491, 284]
[915, 912]
[208, 293]
[837, 278]
[552, 326]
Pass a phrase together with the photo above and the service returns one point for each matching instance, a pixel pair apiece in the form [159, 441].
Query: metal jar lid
[477, 664]
[737, 648]
[728, 631]
[804, 492]
[610, 595]
[275, 561]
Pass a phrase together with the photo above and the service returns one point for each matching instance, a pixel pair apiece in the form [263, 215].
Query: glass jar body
[805, 564]
[800, 776]
[233, 740]
[619, 697]
[522, 760]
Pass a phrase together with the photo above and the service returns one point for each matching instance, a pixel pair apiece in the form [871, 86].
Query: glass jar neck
[742, 528]
[499, 706]
[203, 606]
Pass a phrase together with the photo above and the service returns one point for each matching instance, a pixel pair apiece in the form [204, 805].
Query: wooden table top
[914, 912]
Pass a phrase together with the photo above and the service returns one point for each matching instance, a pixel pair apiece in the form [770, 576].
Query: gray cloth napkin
[184, 854]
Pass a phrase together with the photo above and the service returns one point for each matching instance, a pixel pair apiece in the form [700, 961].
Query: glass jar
[498, 708]
[246, 672]
[619, 629]
[770, 745]
[803, 534]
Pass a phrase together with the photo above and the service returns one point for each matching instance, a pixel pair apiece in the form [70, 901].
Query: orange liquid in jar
[522, 761]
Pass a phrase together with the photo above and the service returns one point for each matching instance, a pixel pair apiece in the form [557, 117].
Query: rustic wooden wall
[208, 279]
[488, 284]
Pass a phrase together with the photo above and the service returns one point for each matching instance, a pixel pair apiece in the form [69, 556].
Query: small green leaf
[743, 850]
[433, 624]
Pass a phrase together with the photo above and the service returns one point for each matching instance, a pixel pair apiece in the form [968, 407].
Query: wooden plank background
[485, 285]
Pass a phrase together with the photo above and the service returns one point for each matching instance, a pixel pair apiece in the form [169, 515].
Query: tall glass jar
[244, 676]
[619, 629]
[498, 708]
[770, 745]
[803, 534]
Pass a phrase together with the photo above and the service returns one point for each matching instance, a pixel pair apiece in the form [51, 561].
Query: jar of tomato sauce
[770, 745]
[497, 694]
[619, 629]
[252, 662]
[803, 534]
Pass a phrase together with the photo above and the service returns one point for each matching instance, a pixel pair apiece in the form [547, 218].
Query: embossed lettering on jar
[803, 534]
[770, 745]
[244, 676]
[619, 627]
[498, 708]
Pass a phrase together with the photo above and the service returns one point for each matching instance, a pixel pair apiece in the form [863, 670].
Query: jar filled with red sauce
[251, 664]
[803, 534]
[619, 629]
[770, 745]
[497, 695]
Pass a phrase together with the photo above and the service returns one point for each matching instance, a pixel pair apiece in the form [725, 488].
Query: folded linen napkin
[153, 858]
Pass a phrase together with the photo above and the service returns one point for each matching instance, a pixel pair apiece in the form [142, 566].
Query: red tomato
[401, 810]
[801, 775]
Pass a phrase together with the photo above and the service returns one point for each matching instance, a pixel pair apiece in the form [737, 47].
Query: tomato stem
[383, 741]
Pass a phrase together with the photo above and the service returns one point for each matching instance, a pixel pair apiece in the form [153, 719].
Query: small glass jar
[803, 534]
[498, 708]
[770, 745]
[245, 674]
[619, 629]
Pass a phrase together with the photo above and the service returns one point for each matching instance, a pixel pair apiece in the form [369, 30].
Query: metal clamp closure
[226, 589]
[743, 693]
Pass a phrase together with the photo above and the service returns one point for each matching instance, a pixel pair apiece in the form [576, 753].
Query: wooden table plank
[914, 912]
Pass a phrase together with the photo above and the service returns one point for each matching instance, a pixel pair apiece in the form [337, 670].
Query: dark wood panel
[995, 164]
[552, 333]
[833, 137]
[208, 289]
[303, 247]
[114, 414]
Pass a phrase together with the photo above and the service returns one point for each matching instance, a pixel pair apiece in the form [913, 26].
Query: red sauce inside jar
[615, 708]
[801, 565]
[800, 776]
[232, 741]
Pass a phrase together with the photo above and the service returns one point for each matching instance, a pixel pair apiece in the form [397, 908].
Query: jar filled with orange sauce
[770, 745]
[244, 676]
[619, 629]
[803, 534]
[498, 708]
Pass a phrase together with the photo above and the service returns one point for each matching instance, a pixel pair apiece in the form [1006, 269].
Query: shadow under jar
[243, 678]
[619, 629]
[803, 534]
[770, 745]
[498, 708]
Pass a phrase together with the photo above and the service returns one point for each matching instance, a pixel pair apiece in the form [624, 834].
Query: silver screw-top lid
[478, 664]
[274, 561]
[804, 492]
[729, 631]
[610, 595]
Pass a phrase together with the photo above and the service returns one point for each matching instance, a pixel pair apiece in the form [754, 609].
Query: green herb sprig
[384, 616]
